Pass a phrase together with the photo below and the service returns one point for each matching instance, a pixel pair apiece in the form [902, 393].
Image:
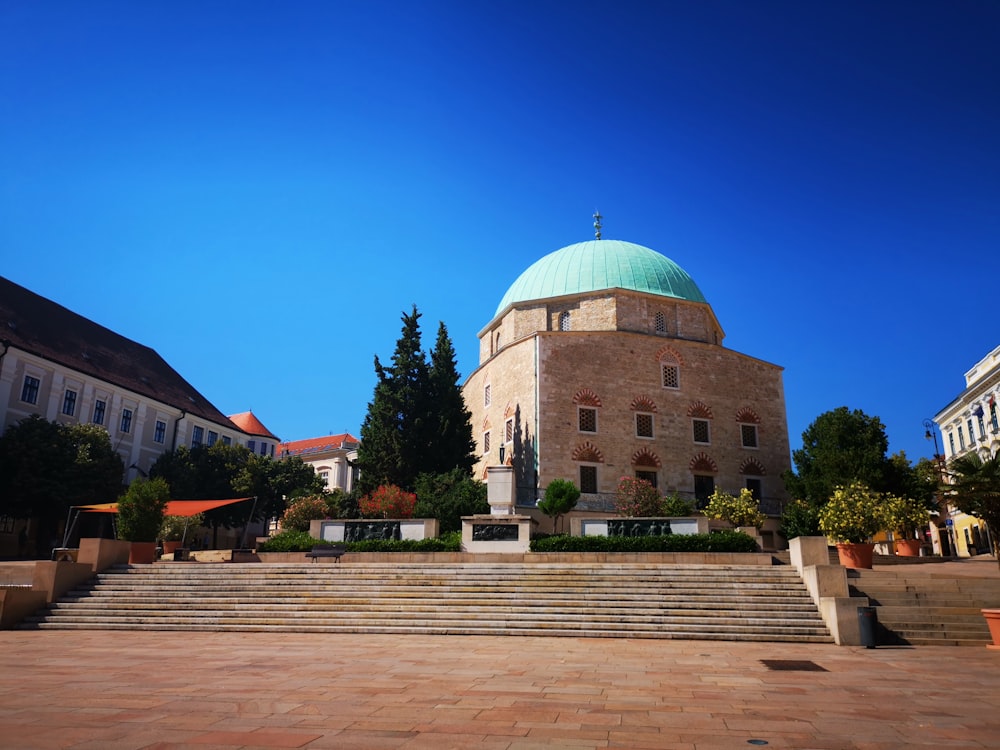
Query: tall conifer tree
[394, 435]
[453, 444]
[417, 422]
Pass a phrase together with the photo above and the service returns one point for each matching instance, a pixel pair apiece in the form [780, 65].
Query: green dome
[602, 264]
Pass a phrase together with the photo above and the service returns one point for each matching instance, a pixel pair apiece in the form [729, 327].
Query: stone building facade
[605, 360]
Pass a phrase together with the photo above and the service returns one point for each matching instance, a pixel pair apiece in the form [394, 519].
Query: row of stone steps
[920, 609]
[721, 602]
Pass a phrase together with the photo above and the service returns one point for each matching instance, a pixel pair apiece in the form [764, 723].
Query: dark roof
[41, 327]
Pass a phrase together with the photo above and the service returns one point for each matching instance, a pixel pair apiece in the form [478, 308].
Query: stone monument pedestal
[501, 530]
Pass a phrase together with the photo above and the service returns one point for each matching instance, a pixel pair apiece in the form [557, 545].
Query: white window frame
[652, 425]
[676, 377]
[597, 484]
[579, 419]
[708, 427]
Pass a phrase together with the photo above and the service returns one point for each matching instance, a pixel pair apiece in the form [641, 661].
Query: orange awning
[174, 507]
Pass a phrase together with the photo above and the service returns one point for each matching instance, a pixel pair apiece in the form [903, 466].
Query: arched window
[660, 322]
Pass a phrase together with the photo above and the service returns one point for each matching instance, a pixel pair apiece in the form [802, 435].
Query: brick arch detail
[586, 397]
[703, 462]
[753, 467]
[587, 451]
[700, 409]
[746, 414]
[508, 411]
[646, 457]
[486, 424]
[669, 354]
[643, 403]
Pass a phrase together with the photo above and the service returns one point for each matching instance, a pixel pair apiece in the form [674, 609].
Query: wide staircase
[718, 602]
[921, 609]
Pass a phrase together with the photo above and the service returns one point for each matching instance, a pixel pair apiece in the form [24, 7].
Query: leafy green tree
[799, 518]
[839, 448]
[560, 498]
[452, 445]
[46, 467]
[448, 497]
[975, 489]
[396, 430]
[273, 483]
[223, 471]
[35, 455]
[141, 510]
[95, 476]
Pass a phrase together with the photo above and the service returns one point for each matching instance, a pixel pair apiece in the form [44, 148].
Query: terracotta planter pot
[993, 620]
[908, 547]
[170, 547]
[142, 553]
[856, 555]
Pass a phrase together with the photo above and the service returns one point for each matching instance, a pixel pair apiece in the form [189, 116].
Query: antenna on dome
[597, 224]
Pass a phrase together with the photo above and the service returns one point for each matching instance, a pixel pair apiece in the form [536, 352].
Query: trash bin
[867, 623]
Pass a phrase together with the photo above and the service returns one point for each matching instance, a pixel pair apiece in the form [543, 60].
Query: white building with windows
[971, 423]
[334, 458]
[605, 360]
[66, 368]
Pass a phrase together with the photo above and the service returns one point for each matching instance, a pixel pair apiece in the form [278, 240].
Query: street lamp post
[930, 433]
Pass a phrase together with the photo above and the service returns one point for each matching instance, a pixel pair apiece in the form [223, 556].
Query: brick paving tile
[88, 691]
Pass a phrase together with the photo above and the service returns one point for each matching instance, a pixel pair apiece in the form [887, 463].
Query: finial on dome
[597, 224]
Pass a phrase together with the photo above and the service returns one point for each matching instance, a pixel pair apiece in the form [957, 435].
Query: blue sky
[259, 190]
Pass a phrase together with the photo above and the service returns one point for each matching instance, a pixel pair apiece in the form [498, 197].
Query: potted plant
[850, 518]
[906, 516]
[174, 530]
[140, 517]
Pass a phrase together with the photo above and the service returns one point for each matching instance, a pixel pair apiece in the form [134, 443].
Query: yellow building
[970, 423]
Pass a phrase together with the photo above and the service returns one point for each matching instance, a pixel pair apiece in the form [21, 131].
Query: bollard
[867, 622]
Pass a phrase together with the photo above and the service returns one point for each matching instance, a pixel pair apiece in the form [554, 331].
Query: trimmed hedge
[718, 541]
[300, 541]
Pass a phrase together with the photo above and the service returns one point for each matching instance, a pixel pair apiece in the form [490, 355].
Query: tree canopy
[46, 467]
[448, 497]
[223, 471]
[417, 421]
[840, 447]
[560, 498]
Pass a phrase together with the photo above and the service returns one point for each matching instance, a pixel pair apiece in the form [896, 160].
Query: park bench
[335, 552]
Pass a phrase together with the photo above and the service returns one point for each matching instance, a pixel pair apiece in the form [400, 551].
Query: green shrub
[675, 506]
[720, 541]
[448, 497]
[799, 518]
[300, 541]
[289, 540]
[141, 510]
[303, 510]
[742, 510]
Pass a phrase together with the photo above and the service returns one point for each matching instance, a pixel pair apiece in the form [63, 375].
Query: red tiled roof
[41, 327]
[346, 441]
[251, 425]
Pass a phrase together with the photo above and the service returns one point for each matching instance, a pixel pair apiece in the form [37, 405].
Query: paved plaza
[93, 690]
